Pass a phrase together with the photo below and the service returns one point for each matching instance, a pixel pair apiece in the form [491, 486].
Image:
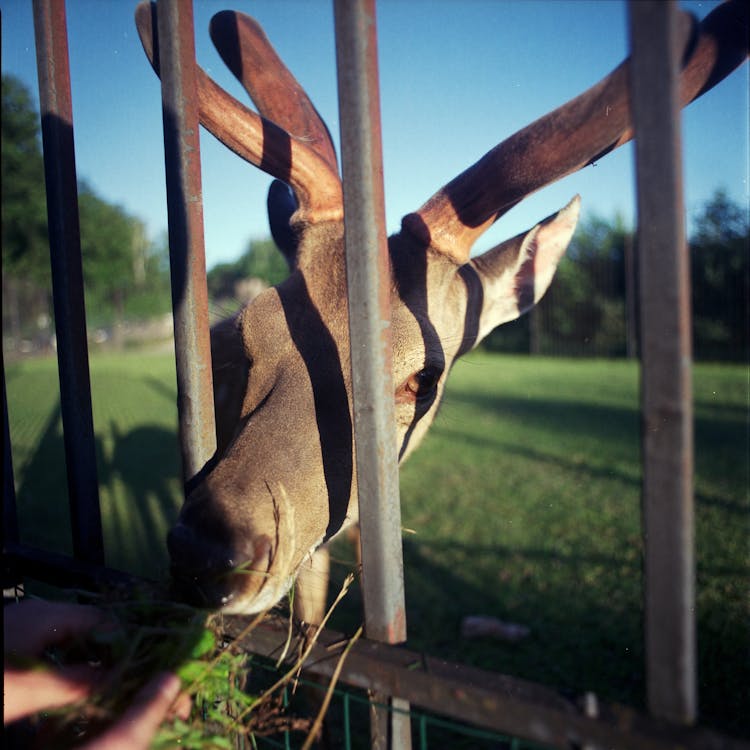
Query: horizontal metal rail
[22, 561]
[486, 699]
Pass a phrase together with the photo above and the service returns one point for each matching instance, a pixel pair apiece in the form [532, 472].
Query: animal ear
[516, 274]
[281, 204]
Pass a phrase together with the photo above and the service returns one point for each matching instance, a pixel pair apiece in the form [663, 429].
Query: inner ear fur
[516, 274]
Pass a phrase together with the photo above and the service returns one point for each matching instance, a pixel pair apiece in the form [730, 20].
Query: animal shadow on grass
[42, 492]
[143, 499]
[139, 494]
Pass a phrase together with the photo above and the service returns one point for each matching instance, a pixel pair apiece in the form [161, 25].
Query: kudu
[282, 482]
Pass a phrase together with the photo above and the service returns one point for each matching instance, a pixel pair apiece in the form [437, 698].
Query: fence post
[186, 243]
[667, 439]
[55, 103]
[368, 282]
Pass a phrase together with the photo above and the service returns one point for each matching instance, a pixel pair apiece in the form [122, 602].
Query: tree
[720, 273]
[24, 212]
[107, 252]
[123, 270]
[26, 268]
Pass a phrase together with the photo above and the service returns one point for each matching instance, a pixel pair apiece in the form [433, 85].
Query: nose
[211, 573]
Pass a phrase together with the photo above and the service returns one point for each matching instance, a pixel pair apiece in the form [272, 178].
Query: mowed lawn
[522, 504]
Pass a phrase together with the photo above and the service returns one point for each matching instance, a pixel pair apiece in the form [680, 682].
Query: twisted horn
[246, 51]
[259, 141]
[569, 138]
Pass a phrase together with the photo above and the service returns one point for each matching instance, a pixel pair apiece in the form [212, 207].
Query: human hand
[137, 726]
[29, 628]
[34, 625]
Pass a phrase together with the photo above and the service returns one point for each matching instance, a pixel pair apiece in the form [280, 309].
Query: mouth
[233, 571]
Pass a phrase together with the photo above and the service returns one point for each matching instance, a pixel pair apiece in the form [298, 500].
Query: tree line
[590, 309]
[126, 274]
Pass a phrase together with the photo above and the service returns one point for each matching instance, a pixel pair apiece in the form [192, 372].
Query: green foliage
[24, 212]
[125, 274]
[720, 256]
[144, 637]
[106, 250]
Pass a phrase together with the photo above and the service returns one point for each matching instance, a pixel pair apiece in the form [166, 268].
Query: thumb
[137, 726]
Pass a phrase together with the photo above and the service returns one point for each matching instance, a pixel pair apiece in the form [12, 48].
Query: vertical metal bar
[186, 243]
[368, 279]
[666, 365]
[10, 517]
[51, 33]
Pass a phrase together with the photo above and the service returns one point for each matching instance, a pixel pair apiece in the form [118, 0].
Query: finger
[139, 723]
[31, 626]
[181, 707]
[28, 691]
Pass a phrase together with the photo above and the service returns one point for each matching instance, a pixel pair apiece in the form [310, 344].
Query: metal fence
[395, 678]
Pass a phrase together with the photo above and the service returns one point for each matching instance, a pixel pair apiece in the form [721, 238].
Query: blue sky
[457, 77]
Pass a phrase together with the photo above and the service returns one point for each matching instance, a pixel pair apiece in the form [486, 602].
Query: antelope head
[282, 482]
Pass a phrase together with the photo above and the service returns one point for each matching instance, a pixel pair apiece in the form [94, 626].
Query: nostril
[192, 553]
[197, 559]
[208, 575]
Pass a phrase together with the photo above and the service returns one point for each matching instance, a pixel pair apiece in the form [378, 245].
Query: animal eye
[424, 382]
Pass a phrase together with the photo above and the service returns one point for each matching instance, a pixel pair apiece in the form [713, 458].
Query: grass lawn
[524, 501]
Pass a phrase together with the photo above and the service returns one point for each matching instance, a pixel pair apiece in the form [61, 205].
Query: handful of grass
[146, 636]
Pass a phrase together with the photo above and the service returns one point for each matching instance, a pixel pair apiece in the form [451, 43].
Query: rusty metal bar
[50, 29]
[368, 282]
[666, 387]
[186, 242]
[10, 516]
